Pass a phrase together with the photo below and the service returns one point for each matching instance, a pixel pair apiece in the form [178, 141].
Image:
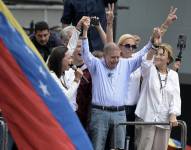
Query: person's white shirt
[134, 88]
[156, 104]
[134, 85]
[69, 91]
[68, 78]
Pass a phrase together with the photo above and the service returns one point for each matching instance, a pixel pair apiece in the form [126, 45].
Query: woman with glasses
[128, 45]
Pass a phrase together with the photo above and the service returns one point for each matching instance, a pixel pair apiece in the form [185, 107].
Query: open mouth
[79, 54]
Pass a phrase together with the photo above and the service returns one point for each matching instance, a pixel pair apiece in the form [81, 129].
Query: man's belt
[109, 108]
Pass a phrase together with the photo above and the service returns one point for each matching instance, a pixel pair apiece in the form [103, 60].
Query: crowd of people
[107, 83]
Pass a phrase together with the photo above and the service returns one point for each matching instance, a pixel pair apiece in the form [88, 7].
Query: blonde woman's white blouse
[156, 104]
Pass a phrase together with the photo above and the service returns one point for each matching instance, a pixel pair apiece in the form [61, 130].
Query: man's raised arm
[87, 56]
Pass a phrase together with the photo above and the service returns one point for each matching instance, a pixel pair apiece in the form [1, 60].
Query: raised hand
[171, 16]
[110, 13]
[169, 20]
[80, 23]
[109, 28]
[94, 21]
[78, 75]
[156, 36]
[86, 23]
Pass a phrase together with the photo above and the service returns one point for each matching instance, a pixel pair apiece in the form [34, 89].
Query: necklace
[160, 80]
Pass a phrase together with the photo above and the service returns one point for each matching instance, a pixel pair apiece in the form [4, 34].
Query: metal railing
[181, 124]
[4, 140]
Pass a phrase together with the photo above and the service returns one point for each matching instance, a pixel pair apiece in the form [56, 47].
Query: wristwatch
[155, 47]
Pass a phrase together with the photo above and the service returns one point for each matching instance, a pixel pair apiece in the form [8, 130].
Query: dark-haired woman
[60, 61]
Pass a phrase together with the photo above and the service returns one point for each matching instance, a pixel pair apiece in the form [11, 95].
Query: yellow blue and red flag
[174, 144]
[36, 110]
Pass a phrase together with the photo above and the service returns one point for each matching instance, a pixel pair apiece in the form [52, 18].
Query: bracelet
[155, 47]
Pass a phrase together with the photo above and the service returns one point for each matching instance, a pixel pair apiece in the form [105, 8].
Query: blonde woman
[159, 98]
[128, 44]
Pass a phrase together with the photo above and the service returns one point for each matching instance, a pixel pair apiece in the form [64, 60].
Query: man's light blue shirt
[109, 87]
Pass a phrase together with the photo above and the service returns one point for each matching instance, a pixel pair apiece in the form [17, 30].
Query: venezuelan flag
[37, 112]
[174, 143]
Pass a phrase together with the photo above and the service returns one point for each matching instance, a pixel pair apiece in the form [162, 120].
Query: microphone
[74, 67]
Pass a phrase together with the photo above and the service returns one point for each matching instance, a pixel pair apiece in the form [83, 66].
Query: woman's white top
[69, 91]
[134, 88]
[155, 103]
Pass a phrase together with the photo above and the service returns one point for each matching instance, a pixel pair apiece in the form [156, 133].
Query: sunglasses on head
[128, 46]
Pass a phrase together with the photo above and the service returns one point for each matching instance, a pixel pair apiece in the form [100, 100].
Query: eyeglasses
[128, 46]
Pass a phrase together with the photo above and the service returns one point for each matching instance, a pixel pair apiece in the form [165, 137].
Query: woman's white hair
[65, 31]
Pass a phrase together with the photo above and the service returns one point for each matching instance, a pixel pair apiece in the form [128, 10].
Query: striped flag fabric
[174, 143]
[38, 114]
